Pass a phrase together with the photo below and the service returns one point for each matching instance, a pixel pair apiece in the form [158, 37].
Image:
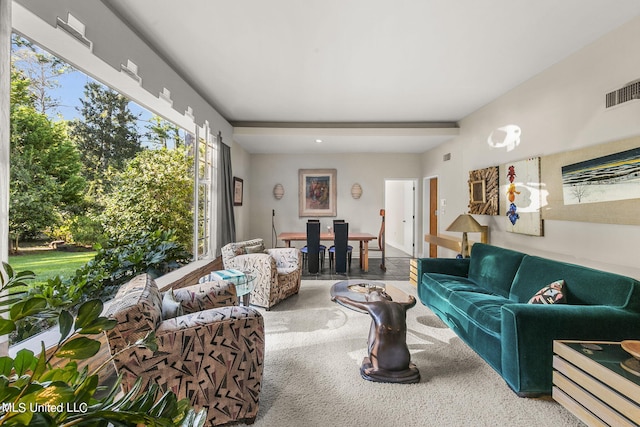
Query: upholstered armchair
[278, 271]
[212, 354]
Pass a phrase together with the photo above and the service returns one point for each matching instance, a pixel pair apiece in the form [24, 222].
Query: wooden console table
[454, 243]
[592, 381]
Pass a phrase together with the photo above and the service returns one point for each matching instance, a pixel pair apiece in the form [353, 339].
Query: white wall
[561, 109]
[241, 168]
[369, 170]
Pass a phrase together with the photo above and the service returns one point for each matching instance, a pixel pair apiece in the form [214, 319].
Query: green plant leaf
[13, 298]
[87, 389]
[65, 321]
[54, 393]
[79, 348]
[7, 326]
[148, 342]
[99, 325]
[6, 365]
[28, 308]
[24, 361]
[41, 363]
[88, 313]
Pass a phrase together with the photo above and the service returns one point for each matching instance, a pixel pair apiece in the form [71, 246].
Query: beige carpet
[314, 348]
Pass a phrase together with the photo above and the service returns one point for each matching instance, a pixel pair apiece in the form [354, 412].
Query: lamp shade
[465, 222]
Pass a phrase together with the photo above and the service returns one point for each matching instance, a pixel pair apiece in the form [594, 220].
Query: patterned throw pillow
[555, 293]
[170, 307]
[257, 249]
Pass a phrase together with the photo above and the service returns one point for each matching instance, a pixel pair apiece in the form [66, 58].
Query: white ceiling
[405, 63]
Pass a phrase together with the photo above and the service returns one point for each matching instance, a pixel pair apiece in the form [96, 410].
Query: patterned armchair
[278, 271]
[212, 354]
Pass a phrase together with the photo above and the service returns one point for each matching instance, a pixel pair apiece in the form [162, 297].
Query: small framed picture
[237, 191]
[478, 194]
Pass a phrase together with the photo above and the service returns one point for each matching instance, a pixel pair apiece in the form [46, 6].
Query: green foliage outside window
[46, 183]
[155, 192]
[155, 253]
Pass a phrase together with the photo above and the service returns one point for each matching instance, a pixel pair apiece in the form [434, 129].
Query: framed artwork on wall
[238, 188]
[317, 192]
[523, 190]
[483, 191]
[598, 183]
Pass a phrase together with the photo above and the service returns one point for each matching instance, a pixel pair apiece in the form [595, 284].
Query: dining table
[363, 240]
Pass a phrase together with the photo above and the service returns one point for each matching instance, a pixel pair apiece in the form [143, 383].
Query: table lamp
[465, 223]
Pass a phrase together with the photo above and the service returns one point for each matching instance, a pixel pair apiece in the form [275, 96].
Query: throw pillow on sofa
[554, 293]
[170, 307]
[257, 249]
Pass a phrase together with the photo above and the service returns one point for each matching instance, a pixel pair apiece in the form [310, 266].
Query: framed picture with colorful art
[317, 192]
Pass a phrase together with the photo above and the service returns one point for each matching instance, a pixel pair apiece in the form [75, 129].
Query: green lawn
[46, 264]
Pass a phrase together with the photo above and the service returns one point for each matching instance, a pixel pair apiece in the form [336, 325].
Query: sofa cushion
[445, 284]
[584, 285]
[494, 268]
[483, 309]
[554, 293]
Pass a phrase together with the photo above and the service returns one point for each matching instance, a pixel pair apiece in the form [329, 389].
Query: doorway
[400, 206]
[430, 214]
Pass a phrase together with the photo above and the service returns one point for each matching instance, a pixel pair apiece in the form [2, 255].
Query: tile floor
[397, 268]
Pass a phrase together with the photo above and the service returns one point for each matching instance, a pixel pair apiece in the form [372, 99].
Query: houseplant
[33, 393]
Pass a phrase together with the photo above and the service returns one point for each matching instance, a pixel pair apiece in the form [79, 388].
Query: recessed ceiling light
[318, 141]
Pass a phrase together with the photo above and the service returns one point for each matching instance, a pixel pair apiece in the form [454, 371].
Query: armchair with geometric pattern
[212, 354]
[278, 271]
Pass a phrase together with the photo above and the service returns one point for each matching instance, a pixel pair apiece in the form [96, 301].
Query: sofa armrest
[528, 331]
[207, 295]
[285, 257]
[251, 262]
[452, 266]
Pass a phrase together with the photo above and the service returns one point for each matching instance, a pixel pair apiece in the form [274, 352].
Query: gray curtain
[226, 217]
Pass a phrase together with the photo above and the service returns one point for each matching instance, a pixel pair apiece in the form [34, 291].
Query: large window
[206, 185]
[107, 132]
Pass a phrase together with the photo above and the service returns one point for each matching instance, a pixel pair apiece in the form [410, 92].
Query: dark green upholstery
[484, 301]
[494, 268]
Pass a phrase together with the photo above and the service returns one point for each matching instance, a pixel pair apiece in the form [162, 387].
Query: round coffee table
[357, 289]
[389, 359]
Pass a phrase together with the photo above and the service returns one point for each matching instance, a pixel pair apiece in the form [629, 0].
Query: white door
[400, 217]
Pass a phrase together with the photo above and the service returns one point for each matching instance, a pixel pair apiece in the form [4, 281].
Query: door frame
[414, 216]
[426, 211]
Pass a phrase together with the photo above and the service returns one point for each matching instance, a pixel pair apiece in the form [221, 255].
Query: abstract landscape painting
[603, 179]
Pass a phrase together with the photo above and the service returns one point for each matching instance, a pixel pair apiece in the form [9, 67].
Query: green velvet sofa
[484, 300]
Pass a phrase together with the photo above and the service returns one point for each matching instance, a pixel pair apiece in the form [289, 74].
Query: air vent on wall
[627, 93]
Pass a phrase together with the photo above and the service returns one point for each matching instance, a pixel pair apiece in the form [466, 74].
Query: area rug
[314, 348]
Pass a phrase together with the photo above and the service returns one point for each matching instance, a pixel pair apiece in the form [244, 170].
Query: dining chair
[332, 248]
[313, 252]
[339, 251]
[322, 249]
